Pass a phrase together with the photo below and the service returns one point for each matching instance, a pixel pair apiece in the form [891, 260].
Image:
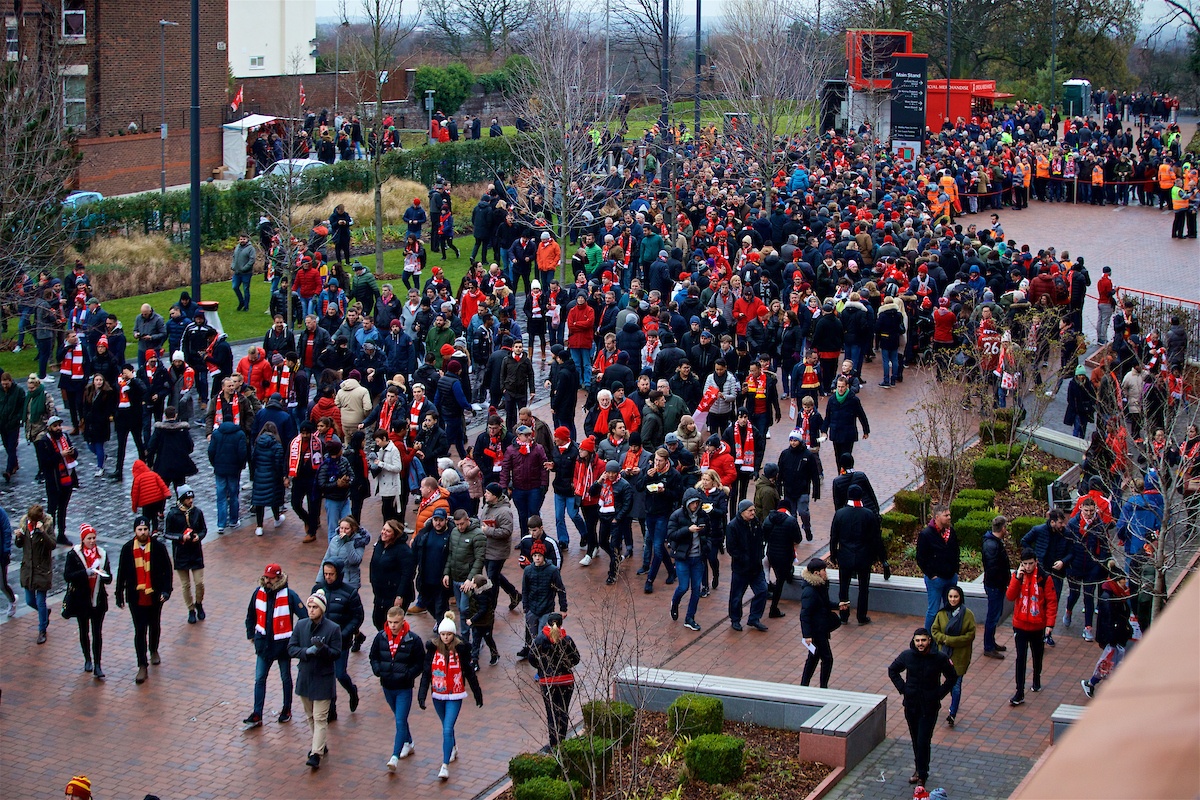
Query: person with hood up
[479, 614]
[398, 659]
[818, 621]
[954, 633]
[923, 676]
[148, 493]
[446, 676]
[169, 451]
[555, 656]
[270, 619]
[855, 544]
[1113, 628]
[687, 533]
[227, 453]
[316, 642]
[345, 610]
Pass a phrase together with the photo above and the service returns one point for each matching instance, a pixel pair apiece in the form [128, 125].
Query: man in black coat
[144, 581]
[938, 557]
[746, 547]
[817, 622]
[563, 384]
[924, 677]
[1054, 550]
[848, 477]
[127, 418]
[800, 478]
[855, 544]
[997, 570]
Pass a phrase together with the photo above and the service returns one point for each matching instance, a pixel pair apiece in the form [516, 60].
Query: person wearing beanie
[184, 527]
[86, 573]
[80, 787]
[397, 659]
[747, 443]
[818, 621]
[270, 619]
[541, 586]
[923, 676]
[144, 582]
[746, 546]
[344, 608]
[317, 644]
[855, 544]
[615, 499]
[446, 678]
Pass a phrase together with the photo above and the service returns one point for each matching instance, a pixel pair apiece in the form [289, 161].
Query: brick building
[110, 55]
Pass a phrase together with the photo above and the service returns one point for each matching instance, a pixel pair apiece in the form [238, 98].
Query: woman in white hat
[448, 673]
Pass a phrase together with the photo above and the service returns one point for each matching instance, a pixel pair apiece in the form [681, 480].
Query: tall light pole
[337, 64]
[666, 66]
[948, 56]
[1053, 47]
[162, 29]
[607, 60]
[194, 142]
[696, 109]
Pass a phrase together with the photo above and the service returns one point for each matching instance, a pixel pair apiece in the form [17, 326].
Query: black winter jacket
[927, 677]
[540, 586]
[996, 567]
[936, 557]
[399, 670]
[782, 533]
[343, 605]
[392, 571]
[746, 546]
[855, 540]
[816, 608]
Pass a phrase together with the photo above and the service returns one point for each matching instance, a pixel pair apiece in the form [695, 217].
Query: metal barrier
[1156, 310]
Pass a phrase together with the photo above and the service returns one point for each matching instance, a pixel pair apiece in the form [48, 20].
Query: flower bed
[653, 765]
[1024, 496]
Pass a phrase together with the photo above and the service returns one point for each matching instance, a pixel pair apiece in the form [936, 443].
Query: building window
[11, 45]
[75, 101]
[74, 19]
[258, 62]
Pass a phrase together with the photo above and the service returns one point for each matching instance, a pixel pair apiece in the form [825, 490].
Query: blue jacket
[1140, 515]
[274, 411]
[227, 450]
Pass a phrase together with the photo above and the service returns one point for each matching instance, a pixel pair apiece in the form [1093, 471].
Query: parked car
[76, 216]
[293, 168]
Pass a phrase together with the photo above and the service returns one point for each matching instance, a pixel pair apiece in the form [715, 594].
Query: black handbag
[66, 603]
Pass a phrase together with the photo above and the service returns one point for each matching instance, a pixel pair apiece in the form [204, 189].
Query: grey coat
[499, 536]
[315, 675]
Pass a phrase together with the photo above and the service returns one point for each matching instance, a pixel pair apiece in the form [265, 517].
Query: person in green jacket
[468, 547]
[954, 633]
[652, 245]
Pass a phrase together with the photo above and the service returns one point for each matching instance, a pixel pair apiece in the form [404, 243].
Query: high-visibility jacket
[1097, 175]
[1178, 201]
[1191, 179]
[1043, 166]
[1166, 176]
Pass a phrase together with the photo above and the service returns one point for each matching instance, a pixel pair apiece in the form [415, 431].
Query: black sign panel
[909, 78]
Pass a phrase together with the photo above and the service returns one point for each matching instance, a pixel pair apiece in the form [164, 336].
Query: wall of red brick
[278, 95]
[124, 164]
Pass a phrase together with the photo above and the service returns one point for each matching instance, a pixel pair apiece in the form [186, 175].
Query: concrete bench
[901, 595]
[1063, 718]
[836, 727]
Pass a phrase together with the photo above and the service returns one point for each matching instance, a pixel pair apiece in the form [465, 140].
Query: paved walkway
[186, 719]
[966, 774]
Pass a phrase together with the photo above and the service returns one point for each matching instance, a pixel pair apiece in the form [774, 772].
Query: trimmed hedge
[609, 719]
[1020, 526]
[960, 507]
[991, 473]
[902, 524]
[694, 715]
[988, 495]
[936, 469]
[1041, 480]
[914, 503]
[1007, 452]
[997, 432]
[716, 758]
[528, 766]
[544, 788]
[587, 758]
[970, 529]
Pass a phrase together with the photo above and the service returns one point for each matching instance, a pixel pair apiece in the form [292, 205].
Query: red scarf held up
[235, 410]
[281, 614]
[744, 448]
[123, 388]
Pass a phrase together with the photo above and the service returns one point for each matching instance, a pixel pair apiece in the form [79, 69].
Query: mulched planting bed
[655, 761]
[1016, 501]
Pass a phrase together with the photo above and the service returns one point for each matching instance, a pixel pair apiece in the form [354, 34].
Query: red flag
[302, 98]
[237, 99]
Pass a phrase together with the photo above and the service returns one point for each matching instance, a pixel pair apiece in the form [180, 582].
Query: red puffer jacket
[1035, 604]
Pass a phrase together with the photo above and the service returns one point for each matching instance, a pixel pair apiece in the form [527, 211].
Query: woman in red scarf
[397, 659]
[86, 572]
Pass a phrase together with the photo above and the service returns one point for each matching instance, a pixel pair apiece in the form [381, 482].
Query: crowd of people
[689, 326]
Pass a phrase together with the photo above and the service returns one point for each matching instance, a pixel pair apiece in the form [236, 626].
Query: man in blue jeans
[938, 558]
[273, 611]
[244, 256]
[997, 570]
[566, 503]
[685, 535]
[227, 453]
[525, 474]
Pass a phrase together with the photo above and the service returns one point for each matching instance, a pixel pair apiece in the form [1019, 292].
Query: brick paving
[187, 717]
[964, 773]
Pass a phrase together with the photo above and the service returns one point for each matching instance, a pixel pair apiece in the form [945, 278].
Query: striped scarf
[123, 388]
[394, 640]
[235, 410]
[281, 384]
[281, 614]
[141, 563]
[743, 444]
[73, 363]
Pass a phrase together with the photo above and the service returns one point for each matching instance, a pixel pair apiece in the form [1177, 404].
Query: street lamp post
[337, 64]
[429, 110]
[948, 56]
[696, 109]
[162, 29]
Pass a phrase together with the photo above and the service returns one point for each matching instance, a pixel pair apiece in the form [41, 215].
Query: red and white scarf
[235, 410]
[433, 497]
[449, 683]
[743, 447]
[585, 476]
[385, 413]
[607, 501]
[414, 416]
[302, 449]
[281, 614]
[394, 640]
[281, 383]
[535, 307]
[73, 363]
[123, 389]
[856, 503]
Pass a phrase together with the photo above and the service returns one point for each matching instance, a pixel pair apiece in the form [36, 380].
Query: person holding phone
[1035, 607]
[86, 574]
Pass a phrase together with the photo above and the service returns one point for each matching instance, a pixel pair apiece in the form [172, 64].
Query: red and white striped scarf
[123, 388]
[414, 416]
[235, 410]
[73, 363]
[385, 413]
[394, 640]
[281, 382]
[281, 614]
[607, 502]
[743, 447]
[585, 476]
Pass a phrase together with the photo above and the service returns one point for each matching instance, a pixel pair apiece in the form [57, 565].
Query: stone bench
[901, 595]
[836, 727]
[1062, 719]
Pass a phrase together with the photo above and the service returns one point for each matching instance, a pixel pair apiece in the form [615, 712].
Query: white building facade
[272, 37]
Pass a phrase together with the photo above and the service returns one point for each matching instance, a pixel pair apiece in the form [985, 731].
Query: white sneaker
[282, 518]
[99, 471]
[12, 610]
[407, 750]
[258, 531]
[444, 773]
[587, 559]
[18, 349]
[453, 754]
[768, 434]
[393, 762]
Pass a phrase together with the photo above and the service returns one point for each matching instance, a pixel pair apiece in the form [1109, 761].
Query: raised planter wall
[902, 595]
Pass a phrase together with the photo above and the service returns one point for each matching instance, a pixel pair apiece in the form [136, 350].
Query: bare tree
[37, 137]
[378, 55]
[561, 99]
[637, 26]
[480, 27]
[770, 66]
